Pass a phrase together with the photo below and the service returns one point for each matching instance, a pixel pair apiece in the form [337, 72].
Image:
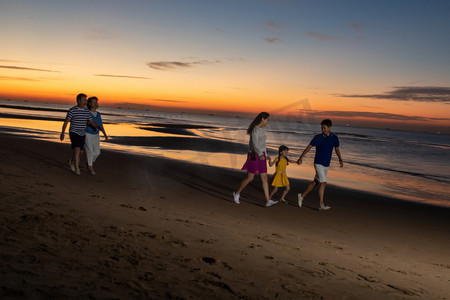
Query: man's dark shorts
[77, 140]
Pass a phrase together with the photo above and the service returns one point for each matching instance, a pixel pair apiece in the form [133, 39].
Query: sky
[378, 63]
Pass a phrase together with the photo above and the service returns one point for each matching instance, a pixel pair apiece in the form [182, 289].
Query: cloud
[417, 94]
[356, 26]
[121, 76]
[133, 105]
[172, 65]
[172, 101]
[11, 61]
[272, 40]
[26, 69]
[371, 115]
[271, 24]
[321, 36]
[274, 27]
[18, 78]
[100, 34]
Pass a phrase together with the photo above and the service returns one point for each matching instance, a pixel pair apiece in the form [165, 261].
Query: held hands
[261, 157]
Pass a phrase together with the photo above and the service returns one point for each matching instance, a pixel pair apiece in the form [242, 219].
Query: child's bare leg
[322, 192]
[275, 189]
[286, 190]
[244, 182]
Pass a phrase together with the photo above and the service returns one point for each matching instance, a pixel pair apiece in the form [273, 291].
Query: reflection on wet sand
[193, 143]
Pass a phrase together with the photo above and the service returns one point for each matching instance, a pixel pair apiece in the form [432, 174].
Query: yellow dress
[280, 178]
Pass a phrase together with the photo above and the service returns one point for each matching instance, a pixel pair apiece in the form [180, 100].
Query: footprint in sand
[130, 206]
[209, 260]
[277, 235]
[215, 275]
[368, 278]
[219, 284]
[210, 241]
[148, 234]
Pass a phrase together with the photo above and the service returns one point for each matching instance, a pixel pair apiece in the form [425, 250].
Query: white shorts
[321, 173]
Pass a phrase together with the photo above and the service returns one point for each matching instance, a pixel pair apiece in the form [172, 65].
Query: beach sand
[154, 228]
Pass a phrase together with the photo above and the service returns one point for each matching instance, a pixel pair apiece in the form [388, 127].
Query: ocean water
[407, 165]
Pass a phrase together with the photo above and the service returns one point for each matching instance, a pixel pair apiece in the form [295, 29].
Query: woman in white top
[256, 158]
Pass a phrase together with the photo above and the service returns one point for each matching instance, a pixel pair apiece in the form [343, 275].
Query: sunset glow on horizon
[363, 62]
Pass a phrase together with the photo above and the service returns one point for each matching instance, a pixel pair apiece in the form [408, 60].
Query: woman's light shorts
[321, 173]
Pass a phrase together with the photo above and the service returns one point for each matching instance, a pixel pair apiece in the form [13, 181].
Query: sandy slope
[147, 227]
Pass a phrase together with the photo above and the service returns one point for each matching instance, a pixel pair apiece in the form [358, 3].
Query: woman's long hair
[281, 149]
[256, 121]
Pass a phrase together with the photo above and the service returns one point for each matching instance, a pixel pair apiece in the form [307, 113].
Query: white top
[257, 141]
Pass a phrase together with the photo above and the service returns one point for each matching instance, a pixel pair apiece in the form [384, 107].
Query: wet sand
[147, 227]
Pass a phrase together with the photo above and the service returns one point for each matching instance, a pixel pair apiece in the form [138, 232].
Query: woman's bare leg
[245, 182]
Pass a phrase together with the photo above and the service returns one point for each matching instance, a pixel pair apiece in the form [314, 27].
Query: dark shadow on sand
[17, 116]
[179, 131]
[183, 143]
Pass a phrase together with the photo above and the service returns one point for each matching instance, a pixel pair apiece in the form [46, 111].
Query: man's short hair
[81, 95]
[327, 122]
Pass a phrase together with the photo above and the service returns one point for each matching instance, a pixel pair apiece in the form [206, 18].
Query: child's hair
[89, 102]
[327, 122]
[256, 121]
[281, 149]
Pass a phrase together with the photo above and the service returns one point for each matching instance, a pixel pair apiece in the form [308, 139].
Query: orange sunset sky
[377, 63]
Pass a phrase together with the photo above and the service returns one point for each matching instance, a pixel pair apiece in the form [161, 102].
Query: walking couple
[85, 124]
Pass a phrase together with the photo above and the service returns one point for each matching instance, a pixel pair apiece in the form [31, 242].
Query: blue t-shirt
[98, 120]
[324, 148]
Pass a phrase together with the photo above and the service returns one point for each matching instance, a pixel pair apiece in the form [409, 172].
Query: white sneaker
[324, 207]
[236, 198]
[271, 202]
[300, 200]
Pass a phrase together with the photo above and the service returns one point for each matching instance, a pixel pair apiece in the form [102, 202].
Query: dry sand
[153, 228]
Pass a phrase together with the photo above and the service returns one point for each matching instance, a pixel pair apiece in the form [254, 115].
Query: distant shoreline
[418, 128]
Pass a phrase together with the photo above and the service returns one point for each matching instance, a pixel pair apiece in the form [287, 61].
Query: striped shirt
[79, 118]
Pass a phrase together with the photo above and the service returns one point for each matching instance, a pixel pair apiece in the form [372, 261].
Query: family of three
[85, 124]
[256, 162]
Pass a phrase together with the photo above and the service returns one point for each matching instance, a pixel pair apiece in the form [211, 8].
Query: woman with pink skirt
[256, 158]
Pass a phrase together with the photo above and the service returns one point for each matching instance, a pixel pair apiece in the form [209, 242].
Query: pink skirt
[256, 166]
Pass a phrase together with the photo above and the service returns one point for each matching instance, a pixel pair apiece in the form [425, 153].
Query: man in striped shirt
[78, 116]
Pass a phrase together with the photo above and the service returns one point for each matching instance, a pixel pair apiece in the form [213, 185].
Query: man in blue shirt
[324, 143]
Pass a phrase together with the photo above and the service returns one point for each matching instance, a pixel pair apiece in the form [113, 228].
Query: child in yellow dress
[280, 179]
